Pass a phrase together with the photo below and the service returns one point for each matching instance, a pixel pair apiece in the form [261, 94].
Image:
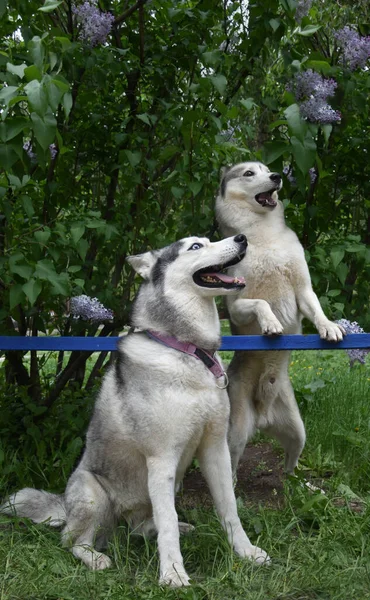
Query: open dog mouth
[213, 276]
[266, 199]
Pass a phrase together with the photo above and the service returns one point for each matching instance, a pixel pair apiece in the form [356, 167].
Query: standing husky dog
[163, 402]
[277, 295]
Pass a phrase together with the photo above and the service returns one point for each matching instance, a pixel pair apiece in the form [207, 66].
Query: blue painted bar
[229, 342]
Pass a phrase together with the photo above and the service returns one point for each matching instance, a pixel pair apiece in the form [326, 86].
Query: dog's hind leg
[90, 514]
[287, 427]
[242, 425]
[214, 461]
[161, 482]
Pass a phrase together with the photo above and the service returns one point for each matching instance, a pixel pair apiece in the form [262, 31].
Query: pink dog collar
[208, 359]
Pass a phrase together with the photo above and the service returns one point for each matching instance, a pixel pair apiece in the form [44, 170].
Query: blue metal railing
[229, 342]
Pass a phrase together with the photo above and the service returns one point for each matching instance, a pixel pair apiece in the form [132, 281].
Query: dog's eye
[248, 174]
[196, 246]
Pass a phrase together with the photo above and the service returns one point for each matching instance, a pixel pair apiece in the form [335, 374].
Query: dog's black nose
[275, 177]
[241, 239]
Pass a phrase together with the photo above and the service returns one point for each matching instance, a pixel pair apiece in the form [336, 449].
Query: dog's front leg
[245, 310]
[214, 461]
[310, 307]
[161, 483]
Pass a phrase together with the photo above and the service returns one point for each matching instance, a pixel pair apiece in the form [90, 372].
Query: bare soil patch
[259, 480]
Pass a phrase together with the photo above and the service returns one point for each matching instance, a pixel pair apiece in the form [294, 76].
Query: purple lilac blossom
[317, 110]
[89, 309]
[95, 25]
[355, 48]
[314, 90]
[53, 151]
[310, 83]
[288, 172]
[302, 10]
[27, 147]
[355, 354]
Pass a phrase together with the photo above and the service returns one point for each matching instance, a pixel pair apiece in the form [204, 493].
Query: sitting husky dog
[277, 295]
[163, 402]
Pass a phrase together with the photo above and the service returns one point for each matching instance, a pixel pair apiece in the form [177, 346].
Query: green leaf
[356, 248]
[77, 231]
[212, 58]
[16, 295]
[7, 93]
[195, 187]
[275, 24]
[336, 257]
[50, 5]
[273, 150]
[82, 248]
[60, 284]
[308, 30]
[134, 158]
[37, 51]
[7, 156]
[44, 129]
[37, 97]
[297, 126]
[54, 94]
[32, 72]
[219, 82]
[304, 153]
[32, 289]
[28, 206]
[67, 103]
[42, 236]
[45, 269]
[342, 272]
[23, 271]
[16, 69]
[12, 127]
[248, 103]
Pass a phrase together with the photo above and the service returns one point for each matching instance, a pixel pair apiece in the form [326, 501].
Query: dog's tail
[37, 505]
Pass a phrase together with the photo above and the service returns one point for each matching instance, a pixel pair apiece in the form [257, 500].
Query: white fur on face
[246, 180]
[179, 274]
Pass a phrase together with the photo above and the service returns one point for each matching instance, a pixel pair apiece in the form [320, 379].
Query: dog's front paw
[176, 576]
[100, 562]
[271, 326]
[185, 528]
[331, 331]
[257, 555]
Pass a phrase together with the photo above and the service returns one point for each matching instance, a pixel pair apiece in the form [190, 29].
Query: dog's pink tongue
[226, 278]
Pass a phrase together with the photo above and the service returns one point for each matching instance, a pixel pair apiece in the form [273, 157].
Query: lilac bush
[355, 354]
[302, 10]
[355, 48]
[95, 25]
[312, 91]
[89, 309]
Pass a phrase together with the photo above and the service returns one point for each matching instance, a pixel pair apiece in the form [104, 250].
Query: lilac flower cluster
[288, 172]
[53, 151]
[95, 25]
[89, 309]
[313, 90]
[354, 354]
[27, 147]
[302, 10]
[355, 48]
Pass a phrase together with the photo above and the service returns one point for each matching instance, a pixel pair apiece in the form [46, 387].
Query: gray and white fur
[156, 409]
[278, 294]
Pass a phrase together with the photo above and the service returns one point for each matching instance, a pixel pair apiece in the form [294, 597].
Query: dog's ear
[223, 172]
[142, 263]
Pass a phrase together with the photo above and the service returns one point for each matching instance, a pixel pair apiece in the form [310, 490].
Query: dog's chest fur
[269, 276]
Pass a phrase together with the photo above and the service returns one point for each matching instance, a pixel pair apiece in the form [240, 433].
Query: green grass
[320, 547]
